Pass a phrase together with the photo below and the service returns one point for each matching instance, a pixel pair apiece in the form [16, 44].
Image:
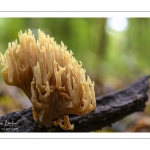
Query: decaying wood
[110, 108]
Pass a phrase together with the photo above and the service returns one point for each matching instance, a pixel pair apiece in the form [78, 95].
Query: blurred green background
[114, 51]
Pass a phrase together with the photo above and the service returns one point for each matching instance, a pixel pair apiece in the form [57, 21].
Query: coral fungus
[50, 76]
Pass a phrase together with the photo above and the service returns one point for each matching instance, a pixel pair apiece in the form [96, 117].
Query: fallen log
[110, 108]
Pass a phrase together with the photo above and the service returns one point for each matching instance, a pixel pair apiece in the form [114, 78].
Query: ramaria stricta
[50, 76]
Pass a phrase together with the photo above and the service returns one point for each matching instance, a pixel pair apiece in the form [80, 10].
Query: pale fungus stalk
[51, 78]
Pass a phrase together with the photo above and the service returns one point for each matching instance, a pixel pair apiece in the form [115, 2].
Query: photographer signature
[10, 123]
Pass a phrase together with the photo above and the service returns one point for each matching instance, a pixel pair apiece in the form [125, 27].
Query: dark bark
[110, 108]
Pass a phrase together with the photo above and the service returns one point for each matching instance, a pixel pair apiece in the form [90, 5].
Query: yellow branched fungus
[51, 78]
